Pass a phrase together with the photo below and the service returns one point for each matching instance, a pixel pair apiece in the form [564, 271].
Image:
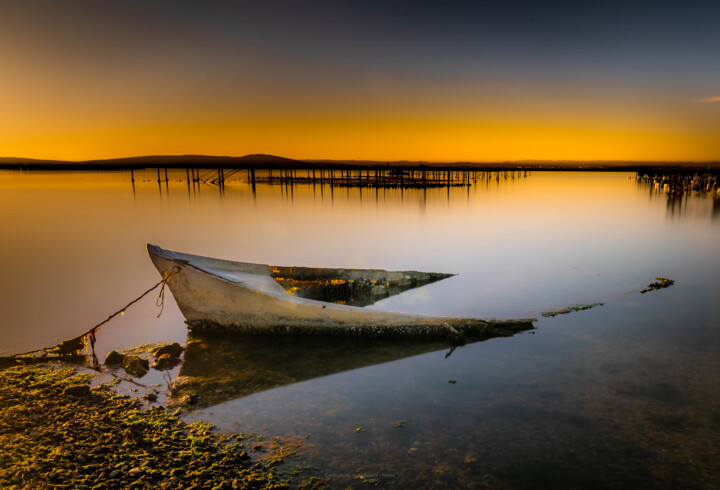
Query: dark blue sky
[633, 41]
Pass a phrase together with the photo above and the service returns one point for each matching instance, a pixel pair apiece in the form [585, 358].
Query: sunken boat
[218, 295]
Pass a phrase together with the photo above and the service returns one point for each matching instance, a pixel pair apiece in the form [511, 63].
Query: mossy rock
[114, 358]
[77, 390]
[174, 350]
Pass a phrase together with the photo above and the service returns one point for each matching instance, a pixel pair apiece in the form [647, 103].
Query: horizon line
[340, 160]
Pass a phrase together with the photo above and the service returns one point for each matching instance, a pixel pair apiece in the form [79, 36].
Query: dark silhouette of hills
[155, 161]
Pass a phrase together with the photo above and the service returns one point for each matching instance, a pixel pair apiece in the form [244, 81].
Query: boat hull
[216, 295]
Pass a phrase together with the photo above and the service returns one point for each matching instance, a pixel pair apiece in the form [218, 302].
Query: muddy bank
[57, 431]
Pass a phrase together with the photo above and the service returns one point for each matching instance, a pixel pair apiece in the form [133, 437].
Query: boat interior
[356, 287]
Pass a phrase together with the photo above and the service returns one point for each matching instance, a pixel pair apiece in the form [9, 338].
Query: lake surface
[621, 395]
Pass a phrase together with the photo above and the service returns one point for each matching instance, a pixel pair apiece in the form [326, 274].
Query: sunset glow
[89, 80]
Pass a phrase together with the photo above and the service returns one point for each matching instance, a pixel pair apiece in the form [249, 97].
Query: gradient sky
[361, 80]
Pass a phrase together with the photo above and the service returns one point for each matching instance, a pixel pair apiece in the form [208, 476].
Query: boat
[218, 295]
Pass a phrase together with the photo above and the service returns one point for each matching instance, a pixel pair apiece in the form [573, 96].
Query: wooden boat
[217, 295]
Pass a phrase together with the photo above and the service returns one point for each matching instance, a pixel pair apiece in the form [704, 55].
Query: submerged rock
[136, 366]
[166, 361]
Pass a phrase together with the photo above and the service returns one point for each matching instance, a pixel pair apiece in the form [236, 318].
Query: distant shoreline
[260, 162]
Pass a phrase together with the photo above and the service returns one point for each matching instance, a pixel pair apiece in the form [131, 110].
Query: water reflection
[289, 179]
[631, 386]
[682, 194]
[219, 369]
[683, 191]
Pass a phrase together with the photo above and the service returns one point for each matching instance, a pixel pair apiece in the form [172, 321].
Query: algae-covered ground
[58, 432]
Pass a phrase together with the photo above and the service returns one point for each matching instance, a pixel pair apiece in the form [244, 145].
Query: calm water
[621, 395]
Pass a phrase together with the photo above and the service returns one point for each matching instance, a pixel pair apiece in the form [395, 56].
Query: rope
[89, 337]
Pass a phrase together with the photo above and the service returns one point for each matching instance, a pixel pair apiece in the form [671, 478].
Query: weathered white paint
[240, 296]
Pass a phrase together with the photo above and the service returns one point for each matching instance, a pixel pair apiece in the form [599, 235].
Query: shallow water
[623, 394]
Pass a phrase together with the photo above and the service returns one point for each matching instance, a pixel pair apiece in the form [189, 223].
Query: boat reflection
[219, 368]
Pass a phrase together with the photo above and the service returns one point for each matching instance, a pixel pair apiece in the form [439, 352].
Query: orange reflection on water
[73, 245]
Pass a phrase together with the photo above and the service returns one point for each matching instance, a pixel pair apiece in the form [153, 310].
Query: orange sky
[152, 85]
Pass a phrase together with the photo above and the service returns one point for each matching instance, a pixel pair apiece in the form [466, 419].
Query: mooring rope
[75, 344]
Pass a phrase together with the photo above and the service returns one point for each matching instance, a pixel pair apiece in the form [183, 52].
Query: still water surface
[621, 395]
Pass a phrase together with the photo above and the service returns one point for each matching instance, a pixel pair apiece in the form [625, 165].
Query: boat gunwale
[286, 297]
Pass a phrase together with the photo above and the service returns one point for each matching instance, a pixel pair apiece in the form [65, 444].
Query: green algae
[569, 309]
[102, 440]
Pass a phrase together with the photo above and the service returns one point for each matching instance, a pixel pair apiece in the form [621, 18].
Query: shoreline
[58, 431]
[271, 162]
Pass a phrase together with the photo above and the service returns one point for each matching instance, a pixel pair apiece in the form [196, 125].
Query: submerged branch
[663, 282]
[570, 309]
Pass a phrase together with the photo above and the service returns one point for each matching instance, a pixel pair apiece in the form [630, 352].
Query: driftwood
[662, 282]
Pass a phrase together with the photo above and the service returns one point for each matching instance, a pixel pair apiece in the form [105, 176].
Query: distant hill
[23, 161]
[190, 160]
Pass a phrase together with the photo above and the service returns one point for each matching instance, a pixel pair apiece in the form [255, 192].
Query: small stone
[77, 390]
[115, 474]
[151, 397]
[114, 358]
[135, 471]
